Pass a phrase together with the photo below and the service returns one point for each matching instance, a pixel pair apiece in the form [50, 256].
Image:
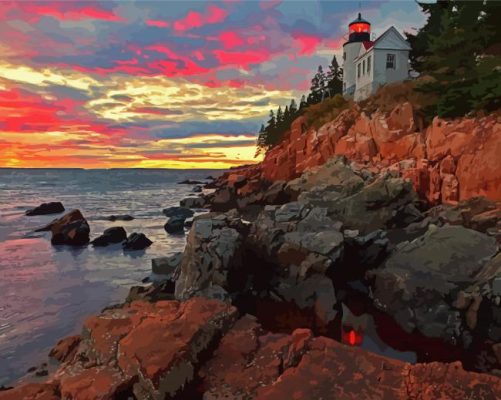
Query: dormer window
[390, 61]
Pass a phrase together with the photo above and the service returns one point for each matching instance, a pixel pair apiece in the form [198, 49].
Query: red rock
[66, 348]
[447, 166]
[434, 192]
[449, 137]
[478, 171]
[401, 118]
[330, 370]
[31, 391]
[449, 191]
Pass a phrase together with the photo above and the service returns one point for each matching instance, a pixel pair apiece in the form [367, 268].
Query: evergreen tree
[456, 48]
[293, 108]
[318, 87]
[303, 103]
[334, 78]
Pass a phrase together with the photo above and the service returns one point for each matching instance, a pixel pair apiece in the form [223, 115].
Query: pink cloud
[242, 58]
[194, 19]
[307, 43]
[66, 13]
[230, 39]
[157, 23]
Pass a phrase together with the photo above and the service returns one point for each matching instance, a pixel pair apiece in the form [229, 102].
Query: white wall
[352, 50]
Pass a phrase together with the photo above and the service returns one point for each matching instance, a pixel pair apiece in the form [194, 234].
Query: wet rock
[65, 349]
[137, 241]
[197, 189]
[193, 202]
[110, 236]
[190, 182]
[188, 222]
[167, 265]
[46, 208]
[178, 212]
[120, 217]
[175, 224]
[422, 275]
[71, 229]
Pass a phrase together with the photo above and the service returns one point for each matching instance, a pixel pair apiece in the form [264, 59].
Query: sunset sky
[174, 84]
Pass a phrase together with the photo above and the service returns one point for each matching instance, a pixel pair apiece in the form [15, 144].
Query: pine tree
[303, 103]
[293, 108]
[334, 78]
[261, 141]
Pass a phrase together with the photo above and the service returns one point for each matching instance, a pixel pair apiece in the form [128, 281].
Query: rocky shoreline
[368, 223]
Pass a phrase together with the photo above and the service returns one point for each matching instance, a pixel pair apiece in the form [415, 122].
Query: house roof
[368, 45]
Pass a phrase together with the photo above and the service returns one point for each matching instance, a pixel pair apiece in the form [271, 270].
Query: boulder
[66, 348]
[167, 265]
[46, 208]
[120, 217]
[137, 241]
[421, 279]
[175, 224]
[178, 212]
[112, 235]
[190, 182]
[157, 291]
[197, 189]
[193, 202]
[223, 199]
[71, 229]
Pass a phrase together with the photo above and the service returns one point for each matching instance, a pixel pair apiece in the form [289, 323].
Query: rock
[111, 235]
[137, 241]
[188, 222]
[121, 217]
[263, 365]
[193, 202]
[236, 180]
[223, 200]
[190, 182]
[213, 256]
[422, 274]
[197, 189]
[32, 391]
[159, 348]
[175, 224]
[46, 208]
[71, 229]
[163, 290]
[65, 349]
[178, 212]
[167, 265]
[39, 370]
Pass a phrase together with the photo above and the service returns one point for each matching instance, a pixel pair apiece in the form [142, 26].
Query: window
[344, 55]
[358, 71]
[390, 61]
[363, 67]
[369, 65]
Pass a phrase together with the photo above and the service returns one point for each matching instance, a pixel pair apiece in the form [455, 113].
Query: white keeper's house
[367, 64]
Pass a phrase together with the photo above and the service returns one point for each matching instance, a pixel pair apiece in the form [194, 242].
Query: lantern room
[360, 30]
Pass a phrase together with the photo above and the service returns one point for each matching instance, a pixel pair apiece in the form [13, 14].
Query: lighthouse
[359, 32]
[368, 65]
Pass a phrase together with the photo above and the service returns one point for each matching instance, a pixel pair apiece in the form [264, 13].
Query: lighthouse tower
[359, 32]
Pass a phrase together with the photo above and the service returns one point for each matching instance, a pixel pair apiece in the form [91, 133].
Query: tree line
[459, 49]
[323, 85]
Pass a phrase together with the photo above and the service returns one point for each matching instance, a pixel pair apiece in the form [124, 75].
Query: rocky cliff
[447, 161]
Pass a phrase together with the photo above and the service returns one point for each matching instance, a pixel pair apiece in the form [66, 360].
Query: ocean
[47, 291]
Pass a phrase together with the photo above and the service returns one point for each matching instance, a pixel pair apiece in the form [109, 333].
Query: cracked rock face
[213, 252]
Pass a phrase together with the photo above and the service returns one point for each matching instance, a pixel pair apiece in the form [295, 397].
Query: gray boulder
[193, 202]
[111, 235]
[167, 265]
[421, 280]
[46, 208]
[178, 212]
[175, 224]
[137, 241]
